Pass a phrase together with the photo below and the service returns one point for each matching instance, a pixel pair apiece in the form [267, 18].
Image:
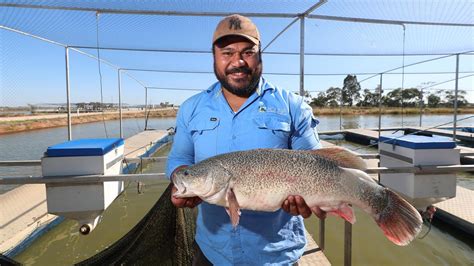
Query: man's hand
[184, 202]
[295, 205]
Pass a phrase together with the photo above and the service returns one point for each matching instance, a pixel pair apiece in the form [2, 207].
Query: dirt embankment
[50, 121]
[18, 124]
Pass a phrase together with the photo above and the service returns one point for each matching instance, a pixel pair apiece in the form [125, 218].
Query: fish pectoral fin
[344, 211]
[234, 209]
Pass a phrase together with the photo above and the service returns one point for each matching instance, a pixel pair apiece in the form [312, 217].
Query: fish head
[200, 180]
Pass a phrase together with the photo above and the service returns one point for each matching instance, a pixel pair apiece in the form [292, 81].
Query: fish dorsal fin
[342, 157]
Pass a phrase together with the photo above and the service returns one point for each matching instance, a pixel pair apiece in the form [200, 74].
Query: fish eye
[186, 172]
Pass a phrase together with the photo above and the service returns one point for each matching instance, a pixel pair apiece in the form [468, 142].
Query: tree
[394, 98]
[369, 99]
[433, 100]
[350, 90]
[320, 100]
[449, 98]
[333, 96]
[410, 96]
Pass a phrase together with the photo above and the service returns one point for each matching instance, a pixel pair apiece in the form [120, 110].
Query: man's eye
[228, 54]
[249, 53]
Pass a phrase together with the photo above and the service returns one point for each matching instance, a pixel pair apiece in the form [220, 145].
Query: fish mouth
[181, 189]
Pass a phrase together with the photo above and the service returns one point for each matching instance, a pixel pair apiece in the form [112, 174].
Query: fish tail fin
[399, 220]
[342, 157]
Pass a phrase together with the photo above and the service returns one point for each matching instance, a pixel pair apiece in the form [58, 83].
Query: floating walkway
[24, 213]
[368, 136]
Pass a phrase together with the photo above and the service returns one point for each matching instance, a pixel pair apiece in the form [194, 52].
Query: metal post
[347, 243]
[380, 104]
[120, 101]
[456, 98]
[322, 223]
[380, 119]
[421, 106]
[340, 112]
[146, 104]
[302, 56]
[68, 98]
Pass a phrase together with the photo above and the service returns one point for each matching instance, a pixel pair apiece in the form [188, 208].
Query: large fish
[262, 179]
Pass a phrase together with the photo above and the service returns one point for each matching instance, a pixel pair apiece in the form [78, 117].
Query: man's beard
[240, 91]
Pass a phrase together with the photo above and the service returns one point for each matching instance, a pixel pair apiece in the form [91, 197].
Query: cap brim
[250, 38]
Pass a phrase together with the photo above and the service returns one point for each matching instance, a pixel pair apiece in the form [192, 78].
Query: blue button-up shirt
[270, 118]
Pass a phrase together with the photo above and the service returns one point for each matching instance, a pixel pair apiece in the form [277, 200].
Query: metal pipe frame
[380, 105]
[302, 56]
[413, 64]
[67, 73]
[173, 89]
[223, 14]
[68, 96]
[120, 101]
[322, 233]
[153, 176]
[21, 163]
[279, 34]
[163, 159]
[347, 243]
[80, 179]
[146, 106]
[294, 74]
[271, 53]
[456, 98]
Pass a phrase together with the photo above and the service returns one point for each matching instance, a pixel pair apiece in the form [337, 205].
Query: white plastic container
[83, 202]
[413, 150]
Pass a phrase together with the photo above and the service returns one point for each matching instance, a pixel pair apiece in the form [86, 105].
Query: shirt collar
[263, 86]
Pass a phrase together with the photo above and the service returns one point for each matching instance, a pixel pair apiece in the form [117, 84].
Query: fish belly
[260, 201]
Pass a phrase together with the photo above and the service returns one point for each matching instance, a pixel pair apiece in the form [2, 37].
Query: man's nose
[238, 60]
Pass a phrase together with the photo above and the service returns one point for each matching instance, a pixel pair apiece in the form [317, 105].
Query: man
[240, 112]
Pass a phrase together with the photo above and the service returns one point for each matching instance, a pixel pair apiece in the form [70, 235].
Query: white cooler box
[413, 150]
[83, 202]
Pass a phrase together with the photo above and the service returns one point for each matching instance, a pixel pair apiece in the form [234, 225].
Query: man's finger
[318, 212]
[292, 203]
[303, 209]
[285, 206]
[196, 201]
[189, 203]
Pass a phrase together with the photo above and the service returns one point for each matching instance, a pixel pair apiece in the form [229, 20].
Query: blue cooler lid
[419, 142]
[84, 147]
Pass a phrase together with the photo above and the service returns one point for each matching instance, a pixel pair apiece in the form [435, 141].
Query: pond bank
[32, 122]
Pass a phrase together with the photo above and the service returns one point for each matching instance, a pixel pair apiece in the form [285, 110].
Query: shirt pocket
[201, 126]
[204, 135]
[274, 125]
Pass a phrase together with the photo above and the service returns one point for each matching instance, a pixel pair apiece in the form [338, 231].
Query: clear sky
[33, 72]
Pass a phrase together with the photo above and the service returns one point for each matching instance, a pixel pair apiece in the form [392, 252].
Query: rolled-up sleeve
[182, 150]
[305, 135]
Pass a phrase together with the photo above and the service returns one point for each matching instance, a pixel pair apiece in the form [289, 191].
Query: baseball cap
[237, 25]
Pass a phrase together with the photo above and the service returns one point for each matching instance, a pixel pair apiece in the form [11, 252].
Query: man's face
[237, 65]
